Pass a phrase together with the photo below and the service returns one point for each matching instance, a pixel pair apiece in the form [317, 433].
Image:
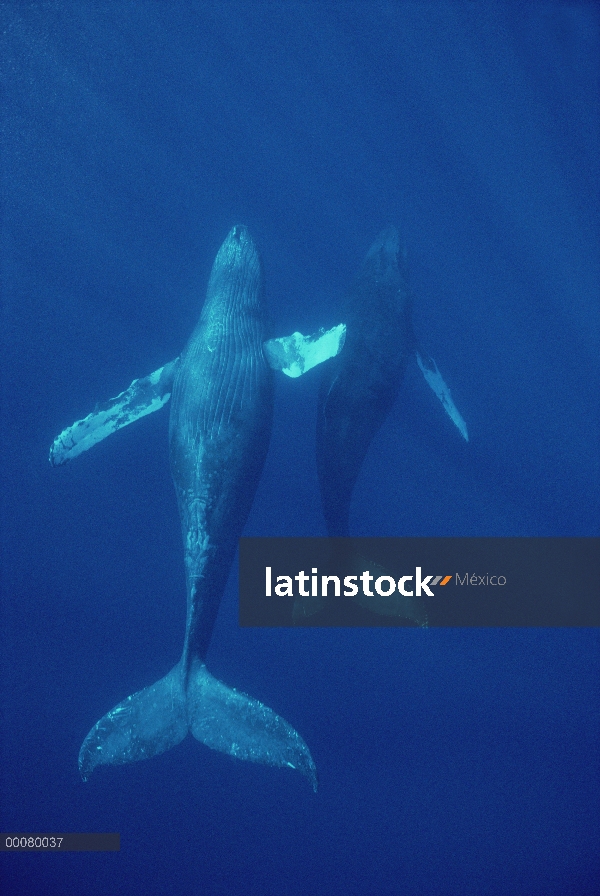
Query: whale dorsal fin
[435, 380]
[144, 396]
[296, 354]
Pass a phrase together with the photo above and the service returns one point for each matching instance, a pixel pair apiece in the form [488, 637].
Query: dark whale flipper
[144, 396]
[434, 379]
[159, 717]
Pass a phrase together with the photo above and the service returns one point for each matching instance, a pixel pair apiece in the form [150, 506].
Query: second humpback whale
[360, 386]
[221, 390]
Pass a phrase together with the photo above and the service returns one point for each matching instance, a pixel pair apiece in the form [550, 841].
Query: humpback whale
[360, 386]
[221, 390]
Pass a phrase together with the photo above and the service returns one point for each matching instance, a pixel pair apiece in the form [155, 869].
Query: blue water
[135, 135]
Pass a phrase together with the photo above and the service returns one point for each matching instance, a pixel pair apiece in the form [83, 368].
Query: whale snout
[240, 233]
[238, 250]
[236, 283]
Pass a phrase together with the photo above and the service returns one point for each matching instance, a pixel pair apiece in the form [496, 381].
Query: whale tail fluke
[158, 718]
[231, 722]
[145, 724]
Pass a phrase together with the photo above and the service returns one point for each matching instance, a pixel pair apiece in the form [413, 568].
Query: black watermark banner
[60, 842]
[419, 582]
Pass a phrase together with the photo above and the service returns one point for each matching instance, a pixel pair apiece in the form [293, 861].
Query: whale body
[357, 393]
[221, 390]
[358, 389]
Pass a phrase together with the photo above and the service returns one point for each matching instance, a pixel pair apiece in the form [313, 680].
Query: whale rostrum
[221, 392]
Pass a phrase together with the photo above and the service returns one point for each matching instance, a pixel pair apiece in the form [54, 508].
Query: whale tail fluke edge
[157, 718]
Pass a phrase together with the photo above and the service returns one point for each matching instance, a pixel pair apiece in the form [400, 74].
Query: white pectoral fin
[144, 396]
[296, 354]
[434, 379]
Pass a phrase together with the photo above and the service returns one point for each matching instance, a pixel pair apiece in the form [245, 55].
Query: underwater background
[134, 135]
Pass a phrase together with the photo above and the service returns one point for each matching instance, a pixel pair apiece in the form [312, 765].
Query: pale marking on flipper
[434, 379]
[144, 396]
[296, 354]
[293, 355]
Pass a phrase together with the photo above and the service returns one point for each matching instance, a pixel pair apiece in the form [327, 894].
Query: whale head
[236, 285]
[387, 256]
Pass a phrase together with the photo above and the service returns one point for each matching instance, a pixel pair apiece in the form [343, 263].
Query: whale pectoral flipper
[231, 722]
[145, 724]
[158, 718]
[434, 379]
[144, 396]
[296, 354]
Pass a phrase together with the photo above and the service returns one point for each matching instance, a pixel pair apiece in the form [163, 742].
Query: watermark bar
[436, 582]
[60, 842]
